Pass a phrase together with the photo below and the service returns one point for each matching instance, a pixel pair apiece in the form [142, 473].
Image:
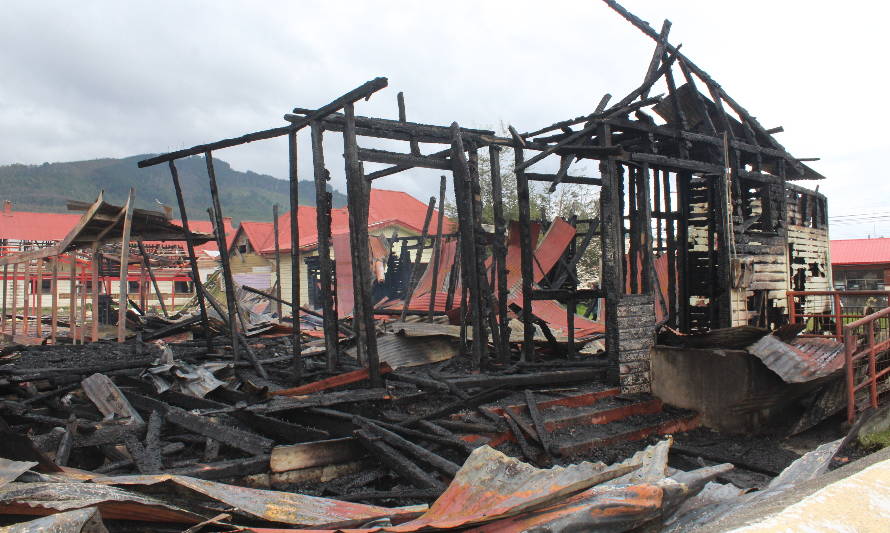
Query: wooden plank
[311, 454]
[331, 382]
[394, 158]
[294, 198]
[325, 266]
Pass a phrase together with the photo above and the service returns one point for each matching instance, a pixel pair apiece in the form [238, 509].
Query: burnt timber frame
[654, 179]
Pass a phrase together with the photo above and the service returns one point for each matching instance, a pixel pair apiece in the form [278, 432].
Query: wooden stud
[193, 260]
[325, 265]
[294, 198]
[72, 297]
[38, 297]
[358, 197]
[96, 262]
[500, 251]
[228, 280]
[437, 249]
[15, 296]
[415, 269]
[54, 310]
[125, 256]
[277, 260]
[522, 194]
[147, 263]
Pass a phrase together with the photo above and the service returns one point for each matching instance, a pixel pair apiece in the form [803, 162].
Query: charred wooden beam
[437, 249]
[398, 462]
[394, 158]
[577, 180]
[363, 91]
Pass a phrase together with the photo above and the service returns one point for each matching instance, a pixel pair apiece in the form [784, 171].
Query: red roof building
[860, 264]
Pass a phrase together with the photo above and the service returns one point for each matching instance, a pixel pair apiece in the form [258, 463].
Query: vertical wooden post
[644, 212]
[54, 310]
[26, 298]
[463, 193]
[193, 260]
[154, 281]
[633, 255]
[415, 269]
[125, 257]
[671, 251]
[5, 288]
[96, 262]
[72, 297]
[483, 284]
[15, 296]
[437, 249]
[611, 238]
[38, 303]
[277, 260]
[325, 266]
[228, 281]
[525, 246]
[83, 305]
[143, 300]
[683, 179]
[295, 266]
[358, 196]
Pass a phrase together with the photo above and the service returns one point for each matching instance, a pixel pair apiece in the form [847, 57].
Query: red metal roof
[30, 226]
[387, 208]
[860, 251]
[27, 226]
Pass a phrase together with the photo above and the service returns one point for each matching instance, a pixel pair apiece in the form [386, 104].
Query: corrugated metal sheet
[10, 470]
[114, 503]
[860, 251]
[802, 360]
[87, 520]
[274, 506]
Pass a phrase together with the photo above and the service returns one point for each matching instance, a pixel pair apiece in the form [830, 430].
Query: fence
[826, 313]
[867, 358]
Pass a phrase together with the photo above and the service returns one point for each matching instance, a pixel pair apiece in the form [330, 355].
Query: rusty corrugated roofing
[802, 360]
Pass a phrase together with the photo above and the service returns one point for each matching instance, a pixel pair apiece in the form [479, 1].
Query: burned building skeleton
[700, 228]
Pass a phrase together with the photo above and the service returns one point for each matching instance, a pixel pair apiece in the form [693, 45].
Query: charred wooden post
[193, 260]
[54, 309]
[323, 224]
[466, 225]
[72, 299]
[277, 260]
[671, 250]
[5, 287]
[125, 257]
[293, 178]
[26, 298]
[228, 280]
[611, 237]
[151, 274]
[437, 249]
[683, 271]
[525, 246]
[358, 196]
[95, 258]
[500, 252]
[421, 246]
[484, 285]
[38, 303]
[452, 280]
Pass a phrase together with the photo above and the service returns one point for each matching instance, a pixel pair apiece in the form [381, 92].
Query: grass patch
[881, 439]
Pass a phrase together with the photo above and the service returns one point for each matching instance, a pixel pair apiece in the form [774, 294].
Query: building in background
[861, 265]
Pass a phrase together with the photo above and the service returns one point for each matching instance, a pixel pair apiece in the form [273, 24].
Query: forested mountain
[244, 195]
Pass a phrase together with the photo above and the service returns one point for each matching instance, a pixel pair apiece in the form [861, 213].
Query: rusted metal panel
[87, 520]
[10, 470]
[274, 506]
[114, 503]
[491, 485]
[803, 359]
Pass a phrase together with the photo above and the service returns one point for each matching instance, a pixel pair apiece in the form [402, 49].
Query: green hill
[244, 195]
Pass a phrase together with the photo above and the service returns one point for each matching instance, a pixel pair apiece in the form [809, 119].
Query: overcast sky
[84, 80]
